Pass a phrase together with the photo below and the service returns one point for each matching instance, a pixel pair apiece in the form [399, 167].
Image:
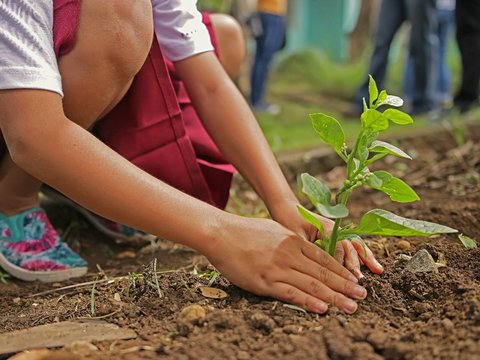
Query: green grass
[309, 82]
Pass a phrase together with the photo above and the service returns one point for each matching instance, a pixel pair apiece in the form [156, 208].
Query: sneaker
[31, 249]
[119, 232]
[272, 109]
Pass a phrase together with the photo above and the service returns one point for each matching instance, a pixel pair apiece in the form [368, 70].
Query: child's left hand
[351, 254]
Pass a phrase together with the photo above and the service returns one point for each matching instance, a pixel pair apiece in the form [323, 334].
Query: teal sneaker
[31, 249]
[119, 232]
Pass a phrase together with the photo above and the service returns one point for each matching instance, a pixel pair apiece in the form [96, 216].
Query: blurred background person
[443, 82]
[422, 16]
[270, 38]
[468, 39]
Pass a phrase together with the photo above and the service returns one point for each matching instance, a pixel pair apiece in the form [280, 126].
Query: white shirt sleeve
[179, 28]
[27, 57]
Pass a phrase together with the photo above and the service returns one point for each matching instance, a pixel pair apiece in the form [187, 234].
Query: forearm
[232, 125]
[67, 157]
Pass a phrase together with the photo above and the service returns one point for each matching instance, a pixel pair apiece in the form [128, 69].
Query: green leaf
[382, 222]
[316, 190]
[364, 143]
[394, 187]
[329, 130]
[320, 196]
[372, 90]
[374, 120]
[397, 116]
[374, 181]
[312, 219]
[469, 243]
[381, 98]
[391, 100]
[386, 148]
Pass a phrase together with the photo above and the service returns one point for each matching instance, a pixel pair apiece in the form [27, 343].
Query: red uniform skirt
[155, 125]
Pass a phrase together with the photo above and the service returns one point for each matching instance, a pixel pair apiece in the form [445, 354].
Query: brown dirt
[405, 316]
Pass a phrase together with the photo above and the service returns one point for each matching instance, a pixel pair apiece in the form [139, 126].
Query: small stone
[243, 355]
[128, 254]
[116, 297]
[421, 262]
[193, 314]
[292, 329]
[342, 320]
[81, 348]
[403, 245]
[448, 324]
[17, 301]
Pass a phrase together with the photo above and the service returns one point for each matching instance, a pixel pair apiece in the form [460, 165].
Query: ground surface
[406, 316]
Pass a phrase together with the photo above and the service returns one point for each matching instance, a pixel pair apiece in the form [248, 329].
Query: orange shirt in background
[277, 7]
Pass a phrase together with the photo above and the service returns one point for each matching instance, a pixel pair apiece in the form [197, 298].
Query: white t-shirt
[27, 58]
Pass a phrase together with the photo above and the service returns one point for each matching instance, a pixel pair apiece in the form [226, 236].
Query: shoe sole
[43, 276]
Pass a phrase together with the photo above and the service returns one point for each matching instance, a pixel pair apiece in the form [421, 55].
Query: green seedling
[365, 152]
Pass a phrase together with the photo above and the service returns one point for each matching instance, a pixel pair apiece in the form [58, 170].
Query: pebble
[403, 245]
[192, 314]
[243, 355]
[421, 262]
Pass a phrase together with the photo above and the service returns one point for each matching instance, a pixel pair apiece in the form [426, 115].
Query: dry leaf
[213, 293]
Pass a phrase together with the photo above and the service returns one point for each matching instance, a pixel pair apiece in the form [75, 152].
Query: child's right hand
[263, 257]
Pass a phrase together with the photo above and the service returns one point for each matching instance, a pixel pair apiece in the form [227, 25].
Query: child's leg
[230, 42]
[113, 40]
[112, 43]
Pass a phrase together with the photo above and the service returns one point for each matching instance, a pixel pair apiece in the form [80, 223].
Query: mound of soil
[405, 316]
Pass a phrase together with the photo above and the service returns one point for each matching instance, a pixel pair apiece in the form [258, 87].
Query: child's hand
[265, 258]
[352, 255]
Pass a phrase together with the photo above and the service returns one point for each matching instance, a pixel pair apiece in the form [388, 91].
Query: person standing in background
[443, 91]
[423, 44]
[468, 39]
[270, 40]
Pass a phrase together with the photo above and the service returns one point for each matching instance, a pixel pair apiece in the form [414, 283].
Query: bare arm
[232, 125]
[229, 120]
[256, 254]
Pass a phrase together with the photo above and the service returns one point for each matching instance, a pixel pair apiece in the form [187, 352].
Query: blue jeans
[268, 43]
[423, 44]
[446, 20]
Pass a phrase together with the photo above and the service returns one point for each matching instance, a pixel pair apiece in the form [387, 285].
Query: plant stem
[338, 222]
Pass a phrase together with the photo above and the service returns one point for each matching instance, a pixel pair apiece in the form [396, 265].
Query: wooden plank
[61, 334]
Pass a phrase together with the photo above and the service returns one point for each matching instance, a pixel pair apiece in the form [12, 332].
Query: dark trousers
[468, 38]
[422, 16]
[268, 43]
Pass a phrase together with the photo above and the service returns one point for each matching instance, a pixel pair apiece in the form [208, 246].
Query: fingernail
[350, 306]
[378, 264]
[359, 292]
[320, 307]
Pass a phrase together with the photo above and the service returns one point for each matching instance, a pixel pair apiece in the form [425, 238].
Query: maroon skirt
[155, 125]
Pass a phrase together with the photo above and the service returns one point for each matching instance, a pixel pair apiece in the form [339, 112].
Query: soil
[405, 316]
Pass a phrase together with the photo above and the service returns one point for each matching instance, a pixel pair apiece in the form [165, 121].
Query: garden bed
[405, 316]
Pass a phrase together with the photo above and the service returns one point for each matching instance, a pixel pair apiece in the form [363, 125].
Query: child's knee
[131, 34]
[113, 41]
[231, 43]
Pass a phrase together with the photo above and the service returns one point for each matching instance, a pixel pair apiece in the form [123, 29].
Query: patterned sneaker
[31, 249]
[119, 232]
